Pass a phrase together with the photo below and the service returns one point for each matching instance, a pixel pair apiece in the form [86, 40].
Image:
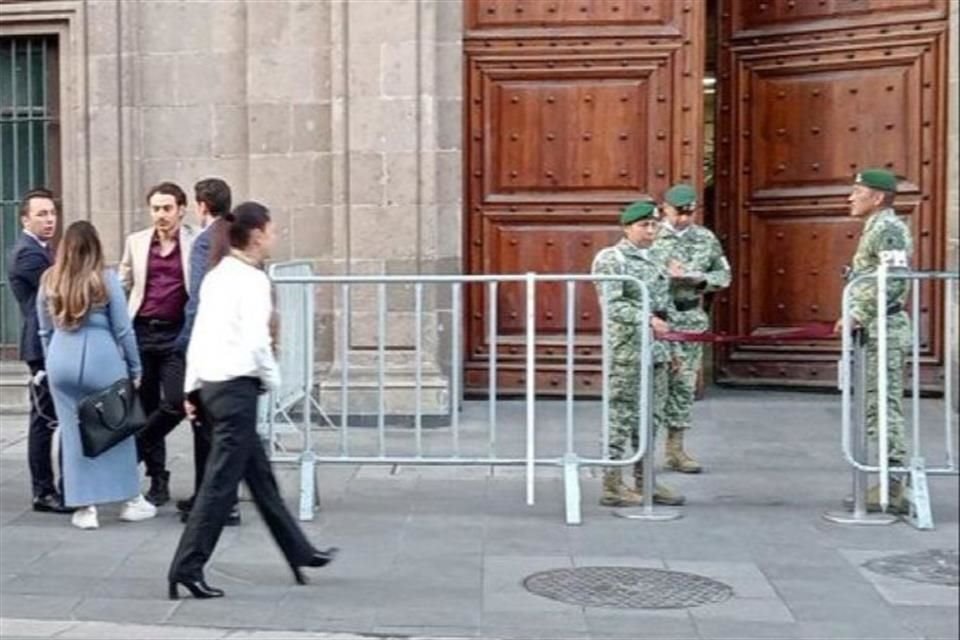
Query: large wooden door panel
[809, 94]
[574, 108]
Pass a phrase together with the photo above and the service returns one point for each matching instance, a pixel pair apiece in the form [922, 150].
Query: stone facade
[342, 116]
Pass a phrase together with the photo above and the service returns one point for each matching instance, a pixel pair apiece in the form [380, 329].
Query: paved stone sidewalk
[438, 552]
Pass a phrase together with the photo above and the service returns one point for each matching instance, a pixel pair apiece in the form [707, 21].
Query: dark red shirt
[165, 295]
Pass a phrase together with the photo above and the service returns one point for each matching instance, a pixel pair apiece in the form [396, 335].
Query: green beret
[879, 179]
[640, 210]
[681, 196]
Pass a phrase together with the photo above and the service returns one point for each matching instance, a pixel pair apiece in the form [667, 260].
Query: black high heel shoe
[318, 559]
[198, 589]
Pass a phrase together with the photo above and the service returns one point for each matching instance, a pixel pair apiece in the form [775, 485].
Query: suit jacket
[26, 262]
[133, 265]
[199, 257]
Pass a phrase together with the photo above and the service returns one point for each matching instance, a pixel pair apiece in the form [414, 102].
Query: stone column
[396, 194]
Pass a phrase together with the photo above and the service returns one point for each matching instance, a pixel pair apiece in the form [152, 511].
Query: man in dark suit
[28, 259]
[213, 199]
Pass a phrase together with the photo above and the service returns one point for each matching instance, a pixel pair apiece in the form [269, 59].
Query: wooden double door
[575, 108]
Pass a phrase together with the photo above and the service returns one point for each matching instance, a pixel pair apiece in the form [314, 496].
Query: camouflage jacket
[624, 301]
[700, 253]
[883, 231]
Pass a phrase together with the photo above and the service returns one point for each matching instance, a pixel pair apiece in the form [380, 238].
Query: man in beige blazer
[155, 272]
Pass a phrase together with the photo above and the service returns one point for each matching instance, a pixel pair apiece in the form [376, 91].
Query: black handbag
[109, 416]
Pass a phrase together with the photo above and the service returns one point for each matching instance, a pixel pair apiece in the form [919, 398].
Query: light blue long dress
[90, 358]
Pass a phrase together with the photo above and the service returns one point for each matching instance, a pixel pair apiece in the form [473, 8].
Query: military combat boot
[617, 494]
[677, 458]
[898, 502]
[661, 494]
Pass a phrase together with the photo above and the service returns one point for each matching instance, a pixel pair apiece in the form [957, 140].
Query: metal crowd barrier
[853, 372]
[297, 364]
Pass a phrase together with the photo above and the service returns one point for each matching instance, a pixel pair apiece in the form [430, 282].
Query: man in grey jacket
[213, 199]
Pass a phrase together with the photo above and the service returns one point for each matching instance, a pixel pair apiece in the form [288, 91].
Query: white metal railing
[297, 403]
[853, 373]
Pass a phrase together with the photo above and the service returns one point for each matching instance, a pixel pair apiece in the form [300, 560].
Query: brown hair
[39, 192]
[168, 189]
[74, 284]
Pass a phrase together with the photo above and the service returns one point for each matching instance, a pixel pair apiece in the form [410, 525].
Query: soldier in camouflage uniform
[696, 265]
[632, 256]
[872, 197]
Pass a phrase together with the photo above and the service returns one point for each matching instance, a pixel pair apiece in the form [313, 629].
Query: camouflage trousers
[682, 384]
[895, 364]
[625, 405]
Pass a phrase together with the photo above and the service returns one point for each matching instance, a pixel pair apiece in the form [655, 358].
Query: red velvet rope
[811, 331]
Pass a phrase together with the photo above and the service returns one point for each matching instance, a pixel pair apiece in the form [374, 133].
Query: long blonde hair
[74, 283]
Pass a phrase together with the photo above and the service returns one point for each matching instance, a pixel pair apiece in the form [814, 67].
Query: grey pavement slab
[443, 552]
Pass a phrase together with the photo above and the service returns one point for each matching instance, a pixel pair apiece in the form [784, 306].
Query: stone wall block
[399, 119]
[176, 132]
[312, 231]
[230, 135]
[365, 124]
[270, 128]
[159, 80]
[311, 127]
[172, 25]
[364, 76]
[212, 78]
[228, 26]
[384, 232]
[284, 75]
[282, 181]
[402, 178]
[449, 21]
[398, 69]
[449, 70]
[382, 21]
[103, 80]
[449, 242]
[322, 178]
[367, 178]
[449, 177]
[449, 124]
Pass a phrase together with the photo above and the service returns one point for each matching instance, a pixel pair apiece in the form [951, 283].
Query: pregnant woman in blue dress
[89, 344]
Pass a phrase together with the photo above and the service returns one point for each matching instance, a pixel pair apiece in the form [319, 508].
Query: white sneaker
[137, 509]
[85, 518]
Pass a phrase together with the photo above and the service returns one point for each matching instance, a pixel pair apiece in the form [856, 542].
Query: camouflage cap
[681, 196]
[640, 210]
[879, 179]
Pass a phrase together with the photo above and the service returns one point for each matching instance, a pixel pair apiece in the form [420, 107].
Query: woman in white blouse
[230, 360]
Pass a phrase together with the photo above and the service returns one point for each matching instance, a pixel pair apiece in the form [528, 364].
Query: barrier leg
[918, 496]
[571, 488]
[308, 485]
[647, 512]
[859, 514]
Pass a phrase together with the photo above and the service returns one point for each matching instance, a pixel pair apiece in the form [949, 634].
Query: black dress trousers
[43, 422]
[236, 454]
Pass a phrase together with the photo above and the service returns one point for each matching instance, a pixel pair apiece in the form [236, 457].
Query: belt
[687, 305]
[157, 323]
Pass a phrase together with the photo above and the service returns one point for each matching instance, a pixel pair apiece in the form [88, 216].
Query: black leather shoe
[50, 503]
[159, 493]
[198, 589]
[318, 559]
[185, 505]
[323, 558]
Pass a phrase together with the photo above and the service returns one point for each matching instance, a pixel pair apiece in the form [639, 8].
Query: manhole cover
[627, 587]
[936, 566]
